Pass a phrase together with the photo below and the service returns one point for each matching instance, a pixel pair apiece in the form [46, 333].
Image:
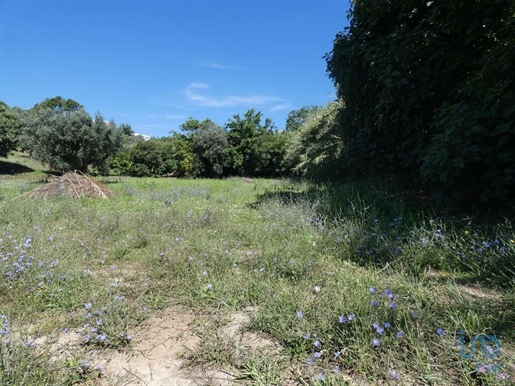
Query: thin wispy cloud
[219, 65]
[204, 100]
[174, 117]
[198, 85]
[281, 107]
[166, 116]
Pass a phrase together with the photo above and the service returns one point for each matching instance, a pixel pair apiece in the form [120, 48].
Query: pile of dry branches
[72, 184]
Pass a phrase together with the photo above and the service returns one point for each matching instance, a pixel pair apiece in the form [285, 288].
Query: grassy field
[338, 284]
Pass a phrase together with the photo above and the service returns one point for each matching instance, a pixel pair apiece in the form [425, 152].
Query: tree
[126, 129]
[247, 155]
[146, 158]
[427, 86]
[296, 118]
[63, 135]
[316, 147]
[10, 128]
[209, 143]
[58, 105]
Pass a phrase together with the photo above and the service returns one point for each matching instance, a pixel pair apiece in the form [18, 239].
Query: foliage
[427, 89]
[209, 145]
[146, 159]
[10, 127]
[297, 118]
[316, 146]
[64, 136]
[255, 147]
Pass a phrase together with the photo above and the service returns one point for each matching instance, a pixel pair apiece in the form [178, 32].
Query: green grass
[326, 269]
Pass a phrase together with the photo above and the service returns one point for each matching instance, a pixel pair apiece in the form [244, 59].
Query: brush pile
[72, 184]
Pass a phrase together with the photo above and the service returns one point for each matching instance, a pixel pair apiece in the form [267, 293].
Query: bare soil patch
[155, 358]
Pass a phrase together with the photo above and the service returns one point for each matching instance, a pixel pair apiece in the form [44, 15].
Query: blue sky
[154, 63]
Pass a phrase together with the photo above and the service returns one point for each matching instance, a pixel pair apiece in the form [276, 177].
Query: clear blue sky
[154, 63]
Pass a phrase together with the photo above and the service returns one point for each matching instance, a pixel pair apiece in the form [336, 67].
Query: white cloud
[166, 116]
[198, 85]
[174, 116]
[227, 101]
[219, 66]
[280, 107]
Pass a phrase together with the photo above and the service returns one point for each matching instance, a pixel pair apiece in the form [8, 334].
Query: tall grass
[351, 285]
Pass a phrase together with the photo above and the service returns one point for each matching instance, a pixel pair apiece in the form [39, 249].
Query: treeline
[61, 134]
[245, 146]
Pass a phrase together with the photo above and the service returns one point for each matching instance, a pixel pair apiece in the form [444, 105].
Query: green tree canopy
[64, 136]
[10, 128]
[427, 86]
[315, 146]
[246, 155]
[296, 118]
[210, 145]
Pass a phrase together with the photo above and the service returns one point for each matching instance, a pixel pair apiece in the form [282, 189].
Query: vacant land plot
[265, 282]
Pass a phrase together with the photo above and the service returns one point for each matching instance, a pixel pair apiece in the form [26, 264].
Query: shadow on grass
[284, 196]
[11, 168]
[497, 315]
[375, 209]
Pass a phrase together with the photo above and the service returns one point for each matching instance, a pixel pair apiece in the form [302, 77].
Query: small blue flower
[305, 336]
[376, 342]
[84, 364]
[342, 319]
[209, 286]
[88, 306]
[375, 304]
[387, 325]
[310, 361]
[321, 376]
[440, 331]
[393, 374]
[317, 343]
[393, 305]
[317, 355]
[300, 315]
[399, 335]
[372, 290]
[351, 317]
